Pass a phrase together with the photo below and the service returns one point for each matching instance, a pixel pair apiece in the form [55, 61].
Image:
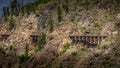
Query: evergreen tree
[12, 7]
[4, 12]
[59, 14]
[22, 7]
[76, 3]
[26, 50]
[36, 3]
[7, 9]
[19, 6]
[65, 6]
[11, 23]
[16, 5]
[51, 24]
[86, 4]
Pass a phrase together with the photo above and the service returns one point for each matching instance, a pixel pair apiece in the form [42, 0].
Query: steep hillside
[54, 21]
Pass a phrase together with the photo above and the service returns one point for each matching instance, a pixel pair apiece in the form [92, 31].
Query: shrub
[41, 41]
[12, 48]
[2, 50]
[74, 53]
[98, 25]
[11, 25]
[22, 58]
[61, 65]
[25, 55]
[85, 5]
[49, 65]
[117, 25]
[66, 47]
[83, 49]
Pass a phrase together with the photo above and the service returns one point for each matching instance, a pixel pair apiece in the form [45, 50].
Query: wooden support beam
[34, 38]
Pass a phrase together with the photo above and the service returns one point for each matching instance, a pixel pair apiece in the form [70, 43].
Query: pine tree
[86, 4]
[76, 3]
[41, 41]
[22, 7]
[51, 24]
[4, 11]
[16, 5]
[36, 3]
[65, 6]
[19, 6]
[12, 7]
[11, 23]
[26, 50]
[7, 9]
[59, 13]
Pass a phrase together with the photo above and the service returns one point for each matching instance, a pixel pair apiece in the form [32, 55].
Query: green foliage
[49, 65]
[117, 26]
[2, 50]
[65, 6]
[7, 8]
[26, 50]
[43, 1]
[22, 58]
[41, 41]
[30, 8]
[14, 5]
[66, 47]
[25, 55]
[6, 11]
[98, 25]
[51, 24]
[74, 53]
[83, 49]
[59, 14]
[11, 48]
[11, 25]
[85, 4]
[61, 65]
[9, 65]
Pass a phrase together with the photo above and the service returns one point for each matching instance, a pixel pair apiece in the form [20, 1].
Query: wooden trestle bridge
[4, 37]
[86, 40]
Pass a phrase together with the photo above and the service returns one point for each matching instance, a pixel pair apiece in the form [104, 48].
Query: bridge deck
[4, 37]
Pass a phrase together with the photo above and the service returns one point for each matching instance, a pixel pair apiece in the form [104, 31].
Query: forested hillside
[44, 34]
